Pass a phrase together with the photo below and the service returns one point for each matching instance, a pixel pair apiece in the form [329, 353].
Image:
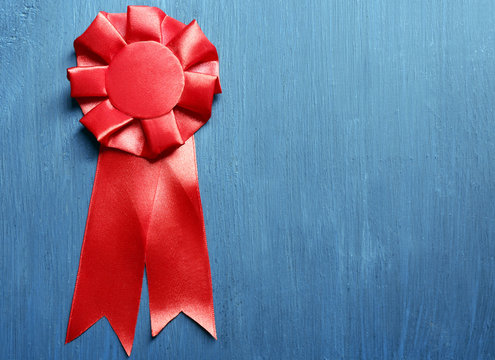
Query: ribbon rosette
[145, 83]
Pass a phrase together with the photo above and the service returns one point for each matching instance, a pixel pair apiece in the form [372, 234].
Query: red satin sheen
[145, 80]
[143, 213]
[87, 81]
[107, 41]
[192, 47]
[145, 83]
[144, 23]
[104, 119]
[101, 39]
[162, 132]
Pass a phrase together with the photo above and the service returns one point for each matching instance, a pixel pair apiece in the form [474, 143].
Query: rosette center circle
[145, 80]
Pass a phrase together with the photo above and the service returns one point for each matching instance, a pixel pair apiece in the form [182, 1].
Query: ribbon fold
[145, 83]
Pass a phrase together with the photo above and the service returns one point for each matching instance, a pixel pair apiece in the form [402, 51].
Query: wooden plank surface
[347, 179]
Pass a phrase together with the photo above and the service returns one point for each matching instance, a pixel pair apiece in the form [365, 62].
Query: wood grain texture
[347, 179]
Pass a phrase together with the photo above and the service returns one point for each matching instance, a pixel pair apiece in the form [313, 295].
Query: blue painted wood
[347, 178]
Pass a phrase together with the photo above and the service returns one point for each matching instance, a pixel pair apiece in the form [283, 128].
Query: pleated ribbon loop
[145, 83]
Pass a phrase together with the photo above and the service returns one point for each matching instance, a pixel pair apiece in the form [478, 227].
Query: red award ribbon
[145, 83]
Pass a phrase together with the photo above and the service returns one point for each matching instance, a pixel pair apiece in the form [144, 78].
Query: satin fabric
[143, 213]
[102, 96]
[145, 83]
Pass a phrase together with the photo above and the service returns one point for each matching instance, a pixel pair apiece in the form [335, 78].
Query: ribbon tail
[177, 264]
[111, 267]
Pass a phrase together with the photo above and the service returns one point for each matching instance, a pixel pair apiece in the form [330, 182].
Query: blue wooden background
[347, 177]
